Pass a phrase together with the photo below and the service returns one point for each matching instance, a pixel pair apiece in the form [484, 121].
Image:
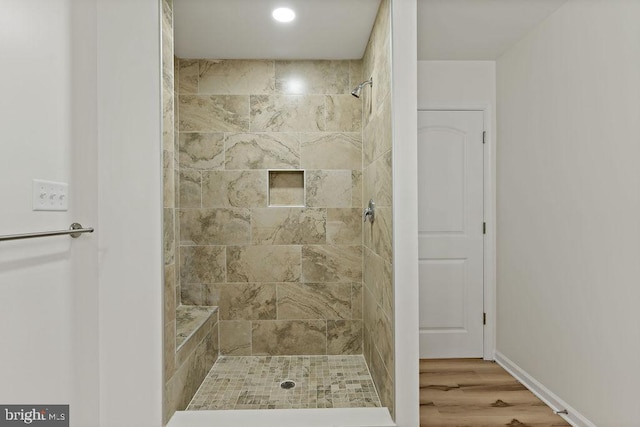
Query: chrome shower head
[357, 90]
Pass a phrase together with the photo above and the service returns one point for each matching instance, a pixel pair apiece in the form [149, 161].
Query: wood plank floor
[477, 393]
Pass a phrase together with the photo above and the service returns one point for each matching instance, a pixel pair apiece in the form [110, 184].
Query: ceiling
[339, 29]
[244, 29]
[476, 29]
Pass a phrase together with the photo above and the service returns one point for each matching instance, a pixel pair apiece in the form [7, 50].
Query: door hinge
[484, 228]
[484, 137]
[484, 318]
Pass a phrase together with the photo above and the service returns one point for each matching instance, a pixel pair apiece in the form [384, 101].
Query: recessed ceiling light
[283, 14]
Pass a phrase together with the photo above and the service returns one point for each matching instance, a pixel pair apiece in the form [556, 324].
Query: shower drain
[287, 384]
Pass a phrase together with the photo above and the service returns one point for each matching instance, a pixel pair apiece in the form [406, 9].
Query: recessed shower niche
[268, 165]
[286, 188]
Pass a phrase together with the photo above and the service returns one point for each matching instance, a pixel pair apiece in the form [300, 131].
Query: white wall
[569, 207]
[130, 200]
[47, 316]
[405, 210]
[456, 83]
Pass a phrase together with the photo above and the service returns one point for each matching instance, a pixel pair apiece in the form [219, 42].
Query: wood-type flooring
[478, 393]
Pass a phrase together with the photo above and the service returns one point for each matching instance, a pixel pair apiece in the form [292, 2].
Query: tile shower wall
[287, 280]
[169, 197]
[377, 182]
[185, 368]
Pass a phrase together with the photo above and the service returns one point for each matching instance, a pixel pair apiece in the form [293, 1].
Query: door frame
[489, 261]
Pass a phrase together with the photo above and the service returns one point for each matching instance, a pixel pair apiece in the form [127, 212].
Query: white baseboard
[573, 417]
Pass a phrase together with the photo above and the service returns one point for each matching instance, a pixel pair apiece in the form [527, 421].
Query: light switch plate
[50, 195]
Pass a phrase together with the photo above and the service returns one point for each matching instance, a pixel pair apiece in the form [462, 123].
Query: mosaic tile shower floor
[253, 382]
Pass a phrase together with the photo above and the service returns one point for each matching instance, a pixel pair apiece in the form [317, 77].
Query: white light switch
[50, 196]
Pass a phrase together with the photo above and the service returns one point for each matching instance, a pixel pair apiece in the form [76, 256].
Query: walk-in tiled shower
[268, 165]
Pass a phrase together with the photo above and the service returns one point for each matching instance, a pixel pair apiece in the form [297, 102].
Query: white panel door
[450, 233]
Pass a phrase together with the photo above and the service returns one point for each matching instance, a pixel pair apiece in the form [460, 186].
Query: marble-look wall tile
[248, 301]
[191, 293]
[384, 339]
[215, 226]
[176, 242]
[241, 189]
[167, 116]
[235, 338]
[287, 113]
[377, 58]
[192, 361]
[168, 185]
[188, 71]
[195, 332]
[167, 26]
[378, 278]
[374, 277]
[176, 124]
[169, 344]
[344, 337]
[366, 343]
[338, 264]
[356, 300]
[356, 186]
[344, 113]
[312, 77]
[377, 183]
[288, 226]
[178, 290]
[329, 188]
[377, 134]
[331, 150]
[314, 301]
[200, 294]
[203, 264]
[263, 263]
[370, 307]
[169, 292]
[190, 189]
[169, 238]
[211, 294]
[176, 192]
[382, 70]
[377, 65]
[383, 380]
[214, 113]
[182, 386]
[232, 144]
[213, 346]
[201, 150]
[236, 77]
[176, 73]
[381, 180]
[289, 337]
[262, 151]
[286, 188]
[344, 226]
[383, 233]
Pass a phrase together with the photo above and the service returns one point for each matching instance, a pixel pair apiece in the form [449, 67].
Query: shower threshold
[334, 417]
